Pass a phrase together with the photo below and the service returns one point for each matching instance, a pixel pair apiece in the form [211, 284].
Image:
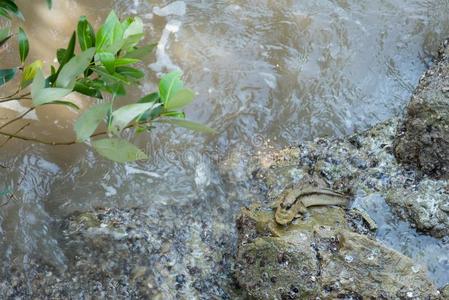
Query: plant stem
[17, 118]
[20, 97]
[10, 138]
[12, 95]
[51, 143]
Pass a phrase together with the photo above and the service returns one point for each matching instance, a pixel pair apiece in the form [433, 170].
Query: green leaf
[60, 54]
[88, 122]
[130, 73]
[86, 34]
[52, 71]
[63, 102]
[110, 62]
[169, 85]
[133, 33]
[125, 114]
[188, 124]
[4, 13]
[110, 35]
[118, 150]
[174, 114]
[49, 4]
[29, 72]
[119, 62]
[94, 84]
[38, 83]
[4, 35]
[86, 87]
[64, 56]
[153, 97]
[141, 52]
[133, 27]
[110, 78]
[6, 75]
[9, 6]
[75, 67]
[180, 99]
[2, 42]
[68, 53]
[153, 113]
[117, 89]
[112, 83]
[107, 59]
[49, 95]
[24, 45]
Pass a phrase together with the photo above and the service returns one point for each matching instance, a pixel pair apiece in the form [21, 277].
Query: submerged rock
[131, 253]
[320, 257]
[423, 136]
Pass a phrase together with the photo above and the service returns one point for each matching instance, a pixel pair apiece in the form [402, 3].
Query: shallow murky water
[266, 72]
[428, 252]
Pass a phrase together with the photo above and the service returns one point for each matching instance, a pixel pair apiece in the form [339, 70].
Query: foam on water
[163, 61]
[177, 8]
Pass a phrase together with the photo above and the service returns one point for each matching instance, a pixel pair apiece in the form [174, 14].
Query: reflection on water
[285, 70]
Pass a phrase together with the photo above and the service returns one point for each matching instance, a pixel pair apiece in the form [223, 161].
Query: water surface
[266, 72]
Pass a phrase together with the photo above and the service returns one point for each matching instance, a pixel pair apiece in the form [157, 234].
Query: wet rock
[362, 168]
[269, 268]
[131, 253]
[422, 139]
[445, 292]
[365, 269]
[424, 204]
[321, 258]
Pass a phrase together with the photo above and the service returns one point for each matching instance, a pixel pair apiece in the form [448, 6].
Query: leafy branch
[106, 65]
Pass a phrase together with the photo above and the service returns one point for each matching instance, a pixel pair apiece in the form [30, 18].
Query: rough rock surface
[320, 257]
[332, 261]
[445, 292]
[127, 254]
[363, 164]
[423, 136]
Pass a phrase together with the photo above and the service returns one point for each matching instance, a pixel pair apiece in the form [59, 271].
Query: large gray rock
[321, 258]
[422, 138]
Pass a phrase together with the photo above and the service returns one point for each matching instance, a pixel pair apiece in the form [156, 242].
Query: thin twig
[20, 97]
[7, 201]
[17, 118]
[12, 194]
[12, 95]
[31, 139]
[10, 138]
[51, 143]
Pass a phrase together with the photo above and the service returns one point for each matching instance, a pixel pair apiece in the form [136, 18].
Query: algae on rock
[321, 257]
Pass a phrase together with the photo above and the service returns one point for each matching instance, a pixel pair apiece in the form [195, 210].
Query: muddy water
[267, 74]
